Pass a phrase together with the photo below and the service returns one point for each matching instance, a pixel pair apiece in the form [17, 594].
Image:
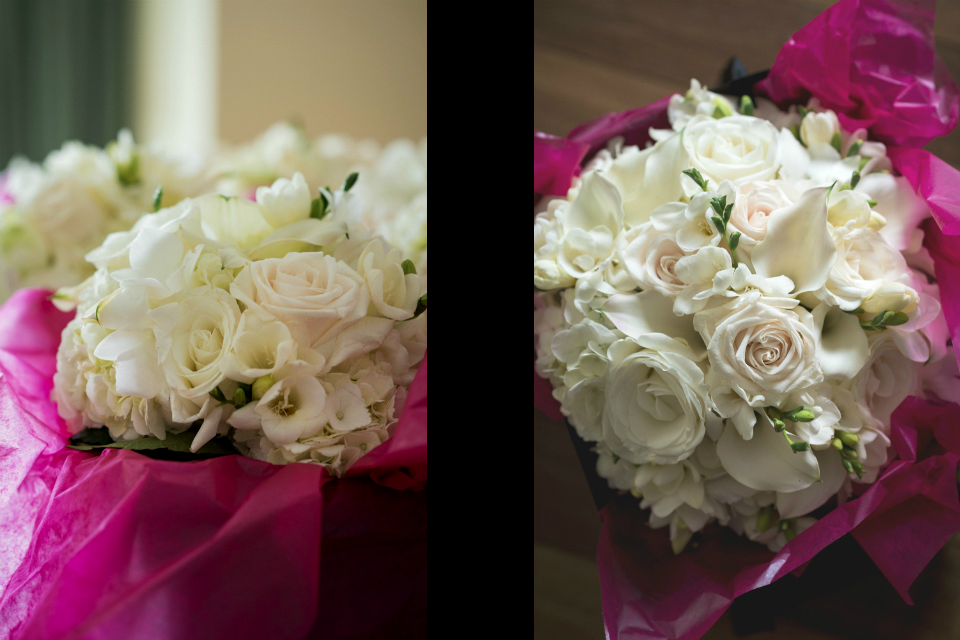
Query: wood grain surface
[593, 57]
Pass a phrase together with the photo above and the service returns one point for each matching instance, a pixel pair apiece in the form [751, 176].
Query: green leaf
[694, 175]
[218, 395]
[350, 181]
[726, 213]
[92, 436]
[318, 207]
[422, 305]
[855, 179]
[896, 319]
[157, 198]
[880, 319]
[719, 204]
[718, 223]
[746, 106]
[239, 397]
[854, 148]
[856, 311]
[836, 141]
[863, 163]
[615, 457]
[408, 267]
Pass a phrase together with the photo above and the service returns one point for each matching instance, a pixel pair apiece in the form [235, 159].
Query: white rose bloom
[651, 260]
[195, 334]
[316, 296]
[655, 408]
[864, 264]
[393, 294]
[754, 204]
[765, 347]
[292, 408]
[738, 148]
[286, 201]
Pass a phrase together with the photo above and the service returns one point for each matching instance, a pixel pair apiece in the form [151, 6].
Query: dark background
[592, 58]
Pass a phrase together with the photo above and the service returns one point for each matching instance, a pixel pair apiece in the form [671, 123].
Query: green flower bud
[849, 439]
[847, 465]
[850, 453]
[261, 385]
[837, 444]
[765, 519]
[239, 397]
[804, 415]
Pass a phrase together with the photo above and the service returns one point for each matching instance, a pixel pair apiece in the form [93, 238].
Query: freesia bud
[261, 385]
[892, 296]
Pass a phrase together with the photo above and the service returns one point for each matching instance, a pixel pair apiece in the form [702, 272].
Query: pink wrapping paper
[873, 62]
[123, 546]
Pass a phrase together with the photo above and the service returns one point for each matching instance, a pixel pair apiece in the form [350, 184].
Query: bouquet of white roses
[285, 324]
[53, 213]
[733, 313]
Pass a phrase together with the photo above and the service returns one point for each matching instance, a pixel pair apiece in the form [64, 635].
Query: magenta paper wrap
[874, 63]
[123, 546]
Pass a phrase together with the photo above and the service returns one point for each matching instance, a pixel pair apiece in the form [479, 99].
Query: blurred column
[176, 73]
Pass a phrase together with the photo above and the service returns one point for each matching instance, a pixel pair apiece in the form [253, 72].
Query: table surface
[592, 58]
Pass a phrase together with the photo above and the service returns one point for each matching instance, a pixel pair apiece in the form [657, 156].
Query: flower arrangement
[733, 313]
[746, 304]
[283, 323]
[53, 213]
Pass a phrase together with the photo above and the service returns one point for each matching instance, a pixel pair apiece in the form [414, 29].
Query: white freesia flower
[697, 101]
[292, 408]
[817, 131]
[285, 201]
[738, 148]
[902, 209]
[547, 232]
[265, 348]
[392, 293]
[655, 408]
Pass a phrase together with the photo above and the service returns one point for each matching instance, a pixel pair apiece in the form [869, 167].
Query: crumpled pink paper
[123, 546]
[901, 521]
[874, 63]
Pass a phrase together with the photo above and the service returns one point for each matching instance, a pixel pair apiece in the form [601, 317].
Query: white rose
[654, 408]
[67, 210]
[286, 201]
[194, 335]
[651, 260]
[291, 409]
[753, 206]
[316, 296]
[738, 148]
[392, 293]
[765, 347]
[864, 263]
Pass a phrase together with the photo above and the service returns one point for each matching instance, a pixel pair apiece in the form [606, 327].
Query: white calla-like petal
[766, 462]
[897, 202]
[647, 312]
[798, 243]
[843, 344]
[802, 502]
